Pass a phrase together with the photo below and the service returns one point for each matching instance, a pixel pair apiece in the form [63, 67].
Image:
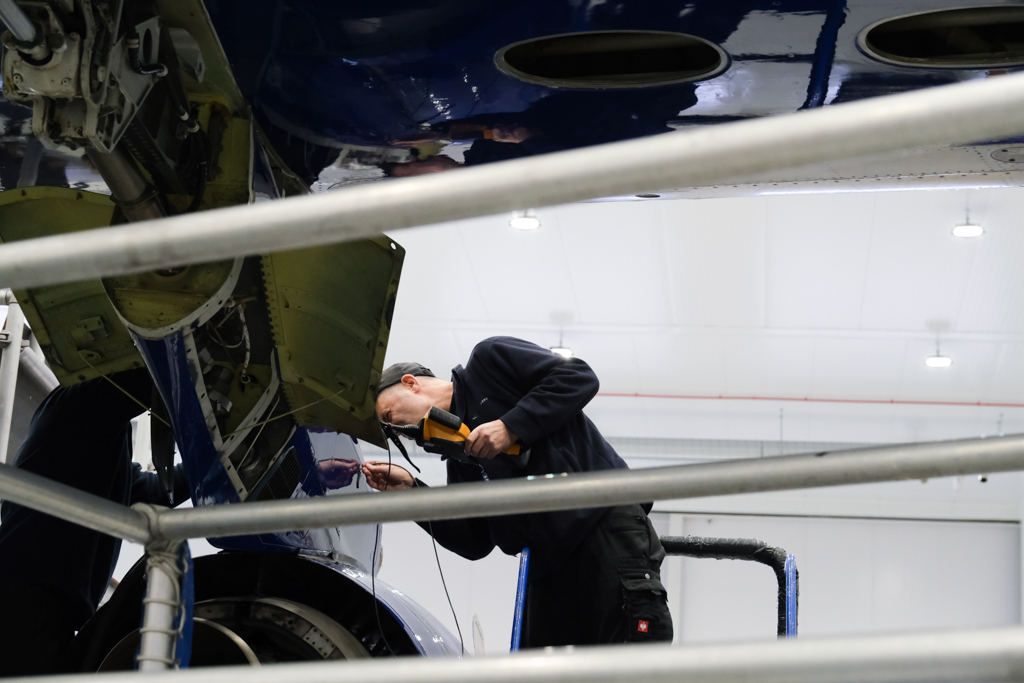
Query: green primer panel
[75, 323]
[330, 309]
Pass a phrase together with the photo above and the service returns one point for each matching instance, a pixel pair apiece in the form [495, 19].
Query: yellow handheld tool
[443, 433]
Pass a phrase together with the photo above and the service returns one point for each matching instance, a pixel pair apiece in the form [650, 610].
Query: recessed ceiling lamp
[968, 230]
[524, 220]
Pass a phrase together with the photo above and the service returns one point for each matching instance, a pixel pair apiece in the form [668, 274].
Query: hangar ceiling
[826, 296]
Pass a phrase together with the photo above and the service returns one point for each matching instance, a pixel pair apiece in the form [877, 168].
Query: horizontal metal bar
[72, 505]
[982, 109]
[598, 489]
[988, 656]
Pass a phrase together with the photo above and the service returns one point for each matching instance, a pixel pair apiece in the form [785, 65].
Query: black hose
[198, 141]
[736, 549]
[137, 66]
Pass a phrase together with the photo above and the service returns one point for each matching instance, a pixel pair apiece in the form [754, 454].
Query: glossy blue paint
[429, 636]
[824, 55]
[329, 463]
[166, 360]
[397, 74]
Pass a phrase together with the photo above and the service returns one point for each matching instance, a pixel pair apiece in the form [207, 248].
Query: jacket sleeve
[555, 389]
[146, 487]
[469, 538]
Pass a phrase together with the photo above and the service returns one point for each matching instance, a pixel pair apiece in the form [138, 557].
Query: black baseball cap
[394, 373]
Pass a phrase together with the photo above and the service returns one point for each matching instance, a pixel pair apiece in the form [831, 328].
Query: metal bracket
[86, 92]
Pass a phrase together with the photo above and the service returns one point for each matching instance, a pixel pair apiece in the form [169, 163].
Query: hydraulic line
[18, 23]
[137, 198]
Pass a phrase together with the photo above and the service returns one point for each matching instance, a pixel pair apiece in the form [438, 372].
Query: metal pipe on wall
[984, 109]
[987, 656]
[599, 489]
[15, 328]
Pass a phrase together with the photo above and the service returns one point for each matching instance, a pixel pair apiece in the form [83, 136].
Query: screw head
[65, 82]
[17, 78]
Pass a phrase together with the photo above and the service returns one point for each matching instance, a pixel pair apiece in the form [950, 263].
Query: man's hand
[489, 439]
[376, 474]
[338, 472]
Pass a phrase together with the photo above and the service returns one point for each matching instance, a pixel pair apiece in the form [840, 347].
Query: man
[594, 573]
[53, 573]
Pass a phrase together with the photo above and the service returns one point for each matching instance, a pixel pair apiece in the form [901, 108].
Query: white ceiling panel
[521, 275]
[436, 278]
[618, 281]
[994, 296]
[918, 271]
[867, 368]
[717, 250]
[769, 365]
[1008, 374]
[817, 258]
[681, 362]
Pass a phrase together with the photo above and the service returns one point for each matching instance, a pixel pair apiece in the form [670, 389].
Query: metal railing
[987, 656]
[532, 494]
[12, 335]
[986, 109]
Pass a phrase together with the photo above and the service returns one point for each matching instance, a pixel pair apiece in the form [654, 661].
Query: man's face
[404, 404]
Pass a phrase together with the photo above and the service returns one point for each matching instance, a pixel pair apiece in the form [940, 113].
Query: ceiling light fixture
[938, 360]
[968, 230]
[524, 220]
[562, 350]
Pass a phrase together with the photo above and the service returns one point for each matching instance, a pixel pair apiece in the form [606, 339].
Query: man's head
[407, 391]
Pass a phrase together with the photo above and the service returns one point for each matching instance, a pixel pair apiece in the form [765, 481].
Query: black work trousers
[53, 573]
[608, 591]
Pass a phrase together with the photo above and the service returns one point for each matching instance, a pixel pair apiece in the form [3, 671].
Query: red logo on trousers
[642, 626]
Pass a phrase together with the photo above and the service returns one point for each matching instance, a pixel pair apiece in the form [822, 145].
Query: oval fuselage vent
[966, 38]
[612, 59]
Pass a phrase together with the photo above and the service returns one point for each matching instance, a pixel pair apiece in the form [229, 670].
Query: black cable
[137, 66]
[437, 558]
[373, 573]
[430, 528]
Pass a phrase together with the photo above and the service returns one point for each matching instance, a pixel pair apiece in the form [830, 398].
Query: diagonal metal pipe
[599, 489]
[988, 656]
[985, 109]
[17, 21]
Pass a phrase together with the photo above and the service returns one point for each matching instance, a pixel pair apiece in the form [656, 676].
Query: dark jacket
[540, 396]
